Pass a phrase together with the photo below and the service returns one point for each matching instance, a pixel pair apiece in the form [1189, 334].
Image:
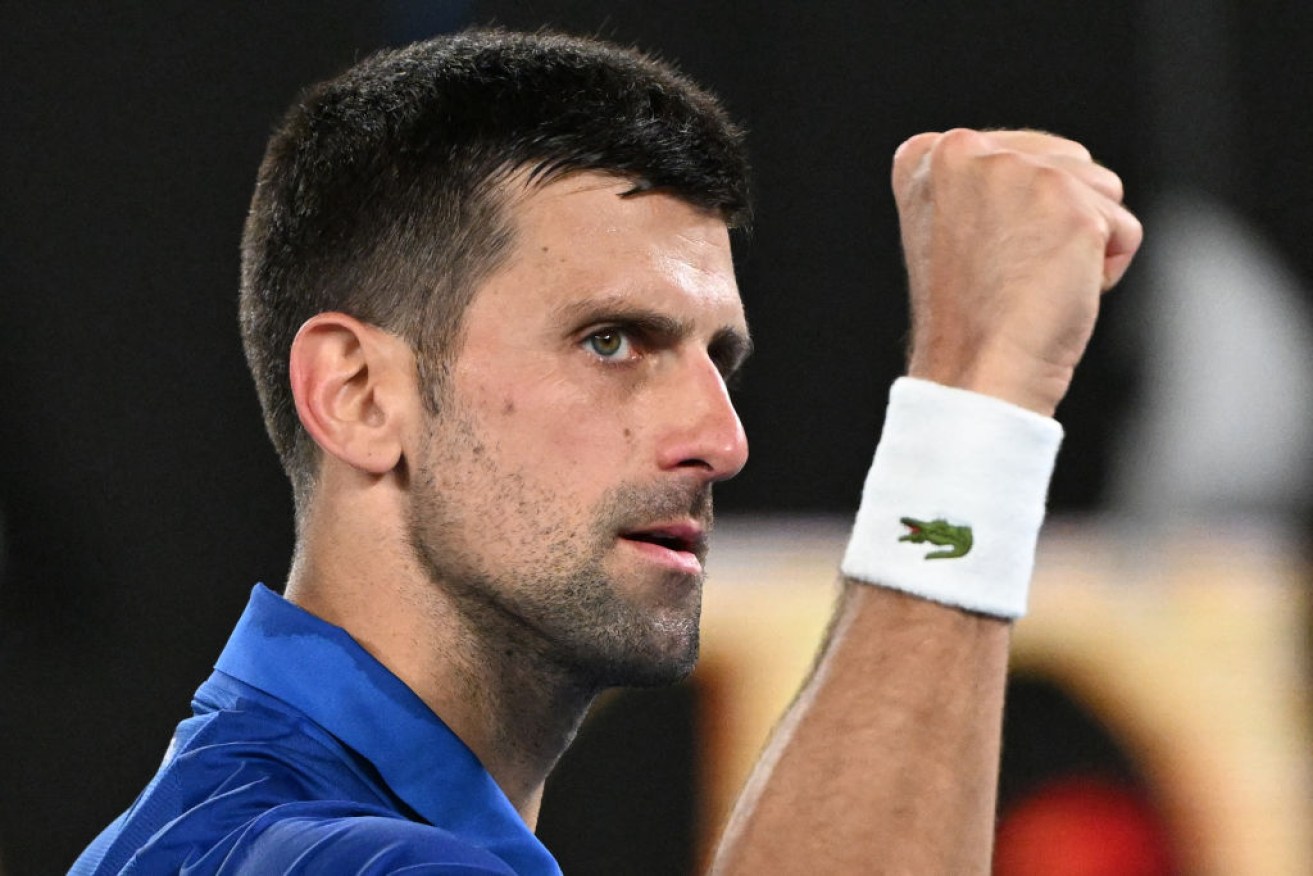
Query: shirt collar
[318, 669]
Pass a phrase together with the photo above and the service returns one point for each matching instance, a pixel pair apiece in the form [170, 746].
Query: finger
[1125, 234]
[909, 158]
[1094, 175]
[1036, 146]
[1061, 152]
[1038, 143]
[1068, 154]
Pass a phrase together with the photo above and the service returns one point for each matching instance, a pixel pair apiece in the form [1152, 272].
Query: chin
[654, 674]
[653, 664]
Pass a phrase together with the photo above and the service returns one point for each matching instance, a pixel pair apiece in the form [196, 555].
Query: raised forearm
[888, 760]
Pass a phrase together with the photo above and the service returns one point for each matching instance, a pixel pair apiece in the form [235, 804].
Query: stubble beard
[556, 601]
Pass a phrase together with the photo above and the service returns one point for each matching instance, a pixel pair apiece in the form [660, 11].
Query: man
[489, 305]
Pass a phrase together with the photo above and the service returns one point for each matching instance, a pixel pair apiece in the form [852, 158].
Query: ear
[353, 384]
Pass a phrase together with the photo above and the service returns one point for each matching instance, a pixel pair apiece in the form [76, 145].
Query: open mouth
[665, 540]
[681, 546]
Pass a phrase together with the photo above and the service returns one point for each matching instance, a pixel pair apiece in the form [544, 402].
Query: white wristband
[953, 503]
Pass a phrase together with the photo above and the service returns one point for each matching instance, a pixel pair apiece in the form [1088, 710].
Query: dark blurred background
[138, 496]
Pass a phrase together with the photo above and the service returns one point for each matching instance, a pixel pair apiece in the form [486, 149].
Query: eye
[610, 344]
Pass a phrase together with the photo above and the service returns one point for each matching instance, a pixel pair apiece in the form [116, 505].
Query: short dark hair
[381, 193]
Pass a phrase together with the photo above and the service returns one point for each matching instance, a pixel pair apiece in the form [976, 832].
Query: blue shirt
[305, 755]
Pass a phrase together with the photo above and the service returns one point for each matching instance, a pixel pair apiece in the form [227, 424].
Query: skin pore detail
[555, 510]
[617, 331]
[564, 608]
[543, 531]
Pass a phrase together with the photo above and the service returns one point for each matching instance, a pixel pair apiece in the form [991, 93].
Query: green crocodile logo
[956, 539]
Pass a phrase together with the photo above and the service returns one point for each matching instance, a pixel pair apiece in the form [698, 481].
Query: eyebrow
[730, 346]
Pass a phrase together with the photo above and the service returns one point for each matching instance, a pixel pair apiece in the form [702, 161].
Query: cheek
[567, 429]
[571, 437]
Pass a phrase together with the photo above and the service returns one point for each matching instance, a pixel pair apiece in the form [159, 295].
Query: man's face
[563, 496]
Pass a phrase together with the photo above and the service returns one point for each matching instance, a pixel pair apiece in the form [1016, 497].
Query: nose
[702, 432]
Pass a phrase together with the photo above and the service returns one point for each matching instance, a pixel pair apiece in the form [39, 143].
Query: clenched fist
[1010, 239]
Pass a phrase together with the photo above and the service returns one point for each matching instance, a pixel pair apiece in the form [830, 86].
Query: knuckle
[1065, 200]
[908, 162]
[1008, 172]
[1050, 187]
[1006, 163]
[954, 151]
[1113, 182]
[1073, 148]
[1056, 144]
[1088, 225]
[1053, 180]
[913, 147]
[958, 142]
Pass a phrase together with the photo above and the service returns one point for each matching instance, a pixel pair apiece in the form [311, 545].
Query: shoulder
[300, 839]
[246, 792]
[328, 837]
[223, 772]
[311, 838]
[229, 765]
[248, 787]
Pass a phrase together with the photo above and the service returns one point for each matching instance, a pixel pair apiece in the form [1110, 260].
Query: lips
[687, 537]
[681, 545]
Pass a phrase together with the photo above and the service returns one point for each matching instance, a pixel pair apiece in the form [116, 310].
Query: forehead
[582, 237]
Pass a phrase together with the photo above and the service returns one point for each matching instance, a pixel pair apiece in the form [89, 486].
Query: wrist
[954, 500]
[1037, 389]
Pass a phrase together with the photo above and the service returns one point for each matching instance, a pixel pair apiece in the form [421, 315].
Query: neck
[523, 714]
[516, 712]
